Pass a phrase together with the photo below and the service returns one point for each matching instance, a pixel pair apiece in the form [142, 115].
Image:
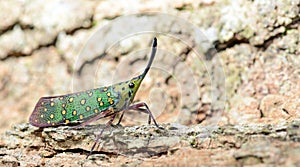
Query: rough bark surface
[230, 145]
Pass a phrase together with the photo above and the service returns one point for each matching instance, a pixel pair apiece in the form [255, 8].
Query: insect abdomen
[76, 107]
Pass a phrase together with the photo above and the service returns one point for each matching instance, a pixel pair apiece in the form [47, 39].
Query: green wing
[76, 107]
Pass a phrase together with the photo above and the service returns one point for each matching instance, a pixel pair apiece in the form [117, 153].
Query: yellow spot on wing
[52, 104]
[99, 99]
[71, 99]
[110, 100]
[82, 101]
[67, 121]
[108, 93]
[52, 116]
[63, 105]
[74, 112]
[42, 116]
[101, 103]
[90, 94]
[45, 109]
[80, 116]
[96, 111]
[88, 108]
[48, 122]
[64, 112]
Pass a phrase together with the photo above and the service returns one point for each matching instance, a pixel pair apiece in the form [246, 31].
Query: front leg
[138, 107]
[140, 110]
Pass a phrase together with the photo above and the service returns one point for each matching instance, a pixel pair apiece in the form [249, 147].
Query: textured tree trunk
[146, 145]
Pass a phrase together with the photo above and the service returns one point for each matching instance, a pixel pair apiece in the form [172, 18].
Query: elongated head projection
[90, 105]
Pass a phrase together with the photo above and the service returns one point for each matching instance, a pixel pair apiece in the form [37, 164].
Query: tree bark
[236, 145]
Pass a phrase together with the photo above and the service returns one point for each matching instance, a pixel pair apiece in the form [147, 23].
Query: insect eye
[131, 85]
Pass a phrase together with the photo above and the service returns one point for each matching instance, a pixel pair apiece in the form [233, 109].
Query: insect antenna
[153, 52]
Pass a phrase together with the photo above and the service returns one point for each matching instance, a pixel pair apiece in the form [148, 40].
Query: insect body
[88, 106]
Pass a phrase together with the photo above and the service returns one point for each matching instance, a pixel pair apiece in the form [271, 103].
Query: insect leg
[101, 115]
[121, 118]
[143, 110]
[100, 134]
[138, 107]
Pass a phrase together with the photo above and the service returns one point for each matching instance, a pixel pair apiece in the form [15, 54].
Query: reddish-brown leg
[121, 117]
[101, 115]
[140, 110]
[138, 107]
[99, 135]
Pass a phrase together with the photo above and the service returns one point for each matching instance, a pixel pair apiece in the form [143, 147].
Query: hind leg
[100, 134]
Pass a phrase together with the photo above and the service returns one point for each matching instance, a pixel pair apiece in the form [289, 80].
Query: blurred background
[218, 62]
